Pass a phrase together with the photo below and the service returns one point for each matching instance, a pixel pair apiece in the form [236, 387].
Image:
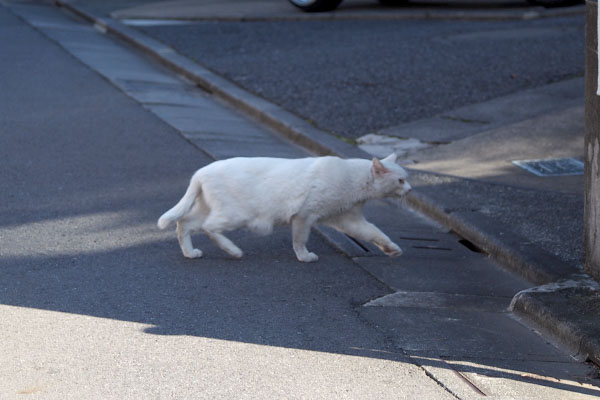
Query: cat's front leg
[354, 224]
[300, 233]
[306, 256]
[391, 249]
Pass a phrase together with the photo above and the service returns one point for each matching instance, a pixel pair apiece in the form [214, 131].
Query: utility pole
[592, 144]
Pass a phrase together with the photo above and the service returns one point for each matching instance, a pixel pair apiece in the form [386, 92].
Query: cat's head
[390, 178]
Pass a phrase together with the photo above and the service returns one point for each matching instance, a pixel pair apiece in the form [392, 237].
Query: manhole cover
[552, 167]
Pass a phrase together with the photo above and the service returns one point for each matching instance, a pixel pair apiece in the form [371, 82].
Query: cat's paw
[195, 253]
[392, 250]
[236, 253]
[308, 257]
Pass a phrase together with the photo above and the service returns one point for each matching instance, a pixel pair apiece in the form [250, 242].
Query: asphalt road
[354, 77]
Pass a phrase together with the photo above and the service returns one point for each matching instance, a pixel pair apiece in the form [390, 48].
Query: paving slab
[209, 116]
[439, 299]
[223, 147]
[444, 272]
[179, 93]
[461, 334]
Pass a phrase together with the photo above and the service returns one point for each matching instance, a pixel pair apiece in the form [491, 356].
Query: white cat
[258, 193]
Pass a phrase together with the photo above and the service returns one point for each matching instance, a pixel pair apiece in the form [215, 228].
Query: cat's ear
[378, 168]
[390, 159]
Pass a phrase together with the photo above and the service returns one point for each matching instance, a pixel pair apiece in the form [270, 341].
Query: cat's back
[262, 174]
[257, 166]
[267, 169]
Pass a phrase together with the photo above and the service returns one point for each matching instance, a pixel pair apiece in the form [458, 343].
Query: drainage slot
[431, 248]
[419, 239]
[469, 245]
[552, 167]
[359, 244]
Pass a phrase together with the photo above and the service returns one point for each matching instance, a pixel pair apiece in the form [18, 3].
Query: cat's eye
[401, 181]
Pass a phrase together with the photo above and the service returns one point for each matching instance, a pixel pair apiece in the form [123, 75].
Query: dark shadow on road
[267, 298]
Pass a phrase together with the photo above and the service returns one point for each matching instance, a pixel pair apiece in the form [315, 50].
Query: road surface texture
[95, 302]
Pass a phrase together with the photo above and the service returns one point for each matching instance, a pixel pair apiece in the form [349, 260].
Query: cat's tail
[183, 206]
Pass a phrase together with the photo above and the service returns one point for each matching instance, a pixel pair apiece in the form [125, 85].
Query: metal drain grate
[552, 167]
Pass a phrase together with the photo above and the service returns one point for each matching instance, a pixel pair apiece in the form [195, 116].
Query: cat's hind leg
[214, 226]
[184, 235]
[300, 232]
[224, 243]
[189, 223]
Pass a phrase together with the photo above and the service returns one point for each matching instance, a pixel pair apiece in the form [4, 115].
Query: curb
[540, 269]
[551, 308]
